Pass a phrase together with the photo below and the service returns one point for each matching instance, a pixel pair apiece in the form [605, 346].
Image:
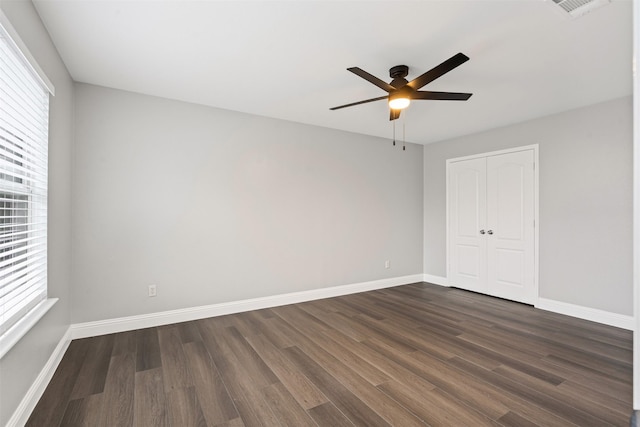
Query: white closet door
[467, 217]
[510, 226]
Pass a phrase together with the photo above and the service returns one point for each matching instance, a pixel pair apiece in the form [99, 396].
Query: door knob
[481, 231]
[489, 231]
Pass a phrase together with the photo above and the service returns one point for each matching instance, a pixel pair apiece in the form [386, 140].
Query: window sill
[20, 329]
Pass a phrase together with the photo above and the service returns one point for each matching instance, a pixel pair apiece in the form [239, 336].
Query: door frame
[536, 198]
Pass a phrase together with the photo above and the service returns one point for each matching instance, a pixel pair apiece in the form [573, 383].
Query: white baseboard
[33, 395]
[436, 280]
[109, 326]
[587, 313]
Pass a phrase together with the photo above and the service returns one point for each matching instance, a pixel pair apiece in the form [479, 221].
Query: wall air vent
[577, 8]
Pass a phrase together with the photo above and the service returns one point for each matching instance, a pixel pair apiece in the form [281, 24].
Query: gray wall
[19, 367]
[215, 206]
[586, 175]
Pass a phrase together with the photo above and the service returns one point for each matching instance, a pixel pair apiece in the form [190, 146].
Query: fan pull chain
[394, 133]
[403, 139]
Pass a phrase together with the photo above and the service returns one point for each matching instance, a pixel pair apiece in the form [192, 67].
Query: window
[24, 134]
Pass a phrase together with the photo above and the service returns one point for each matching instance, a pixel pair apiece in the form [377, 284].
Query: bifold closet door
[491, 225]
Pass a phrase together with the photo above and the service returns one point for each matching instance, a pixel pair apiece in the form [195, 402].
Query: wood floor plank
[416, 338]
[85, 412]
[93, 373]
[513, 358]
[410, 355]
[568, 344]
[147, 349]
[387, 366]
[511, 419]
[295, 315]
[537, 397]
[75, 413]
[119, 391]
[274, 330]
[351, 359]
[184, 408]
[328, 415]
[457, 384]
[387, 408]
[377, 330]
[217, 405]
[236, 422]
[338, 321]
[596, 395]
[124, 342]
[459, 348]
[480, 395]
[175, 373]
[363, 306]
[189, 332]
[286, 408]
[263, 314]
[229, 367]
[252, 364]
[587, 344]
[594, 364]
[323, 353]
[255, 409]
[337, 305]
[352, 407]
[247, 324]
[417, 313]
[621, 390]
[619, 341]
[52, 405]
[422, 311]
[150, 408]
[495, 335]
[249, 415]
[303, 390]
[595, 409]
[235, 357]
[434, 408]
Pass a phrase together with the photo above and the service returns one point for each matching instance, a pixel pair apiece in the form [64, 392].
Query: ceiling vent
[577, 8]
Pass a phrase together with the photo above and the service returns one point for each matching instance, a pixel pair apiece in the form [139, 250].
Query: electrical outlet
[152, 290]
[387, 264]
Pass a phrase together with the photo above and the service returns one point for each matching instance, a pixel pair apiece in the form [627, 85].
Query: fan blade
[394, 114]
[446, 96]
[372, 79]
[359, 102]
[438, 71]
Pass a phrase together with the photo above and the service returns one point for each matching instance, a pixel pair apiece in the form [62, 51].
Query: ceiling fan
[401, 91]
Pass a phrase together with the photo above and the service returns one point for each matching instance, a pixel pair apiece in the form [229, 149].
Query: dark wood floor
[412, 355]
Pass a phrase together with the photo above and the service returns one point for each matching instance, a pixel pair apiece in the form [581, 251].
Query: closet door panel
[510, 227]
[467, 208]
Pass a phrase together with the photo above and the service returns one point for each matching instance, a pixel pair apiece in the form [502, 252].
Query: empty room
[319, 213]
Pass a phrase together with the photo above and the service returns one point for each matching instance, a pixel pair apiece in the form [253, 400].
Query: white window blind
[24, 127]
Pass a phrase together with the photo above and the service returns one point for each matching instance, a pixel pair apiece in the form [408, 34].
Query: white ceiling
[288, 59]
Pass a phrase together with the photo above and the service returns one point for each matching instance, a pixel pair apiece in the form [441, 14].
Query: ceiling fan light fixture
[401, 92]
[399, 103]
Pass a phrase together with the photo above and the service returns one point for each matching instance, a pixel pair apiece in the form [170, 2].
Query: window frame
[37, 308]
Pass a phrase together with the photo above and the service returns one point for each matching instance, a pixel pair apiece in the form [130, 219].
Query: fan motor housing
[399, 71]
[398, 74]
